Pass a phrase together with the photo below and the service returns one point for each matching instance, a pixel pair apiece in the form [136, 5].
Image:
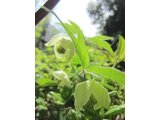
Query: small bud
[60, 75]
[63, 77]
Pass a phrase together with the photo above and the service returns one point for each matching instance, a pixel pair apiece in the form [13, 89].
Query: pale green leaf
[84, 90]
[78, 39]
[64, 82]
[121, 49]
[75, 60]
[102, 37]
[109, 72]
[101, 95]
[82, 94]
[102, 44]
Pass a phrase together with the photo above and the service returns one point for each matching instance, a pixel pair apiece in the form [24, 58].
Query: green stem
[75, 71]
[84, 75]
[48, 10]
[114, 64]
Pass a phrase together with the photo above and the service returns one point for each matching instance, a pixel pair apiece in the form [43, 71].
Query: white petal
[60, 75]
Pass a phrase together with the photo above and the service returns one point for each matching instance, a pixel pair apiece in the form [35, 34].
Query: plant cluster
[78, 78]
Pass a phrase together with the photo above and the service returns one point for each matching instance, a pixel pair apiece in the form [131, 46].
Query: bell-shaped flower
[63, 77]
[63, 46]
[60, 75]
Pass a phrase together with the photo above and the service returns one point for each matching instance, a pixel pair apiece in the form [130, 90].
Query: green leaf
[74, 115]
[44, 82]
[102, 44]
[75, 60]
[41, 104]
[78, 39]
[84, 90]
[57, 98]
[102, 37]
[111, 58]
[120, 52]
[101, 95]
[64, 82]
[82, 94]
[41, 107]
[109, 72]
[114, 110]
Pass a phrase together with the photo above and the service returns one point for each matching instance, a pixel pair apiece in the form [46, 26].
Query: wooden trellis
[41, 13]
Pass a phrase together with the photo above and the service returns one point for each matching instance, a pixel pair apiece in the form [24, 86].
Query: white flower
[63, 46]
[60, 75]
[63, 77]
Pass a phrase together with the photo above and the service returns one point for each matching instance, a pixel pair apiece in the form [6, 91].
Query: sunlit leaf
[84, 90]
[44, 82]
[109, 72]
[78, 39]
[101, 95]
[102, 44]
[121, 48]
[82, 94]
[64, 82]
[102, 37]
[75, 60]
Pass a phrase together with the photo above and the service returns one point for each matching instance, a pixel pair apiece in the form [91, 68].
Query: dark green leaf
[114, 110]
[41, 104]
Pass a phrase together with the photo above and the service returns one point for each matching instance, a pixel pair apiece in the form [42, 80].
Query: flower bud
[63, 77]
[60, 75]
